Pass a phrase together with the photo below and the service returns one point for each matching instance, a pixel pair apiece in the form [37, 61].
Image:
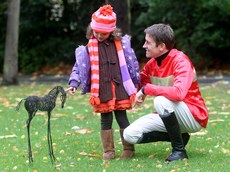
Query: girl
[107, 68]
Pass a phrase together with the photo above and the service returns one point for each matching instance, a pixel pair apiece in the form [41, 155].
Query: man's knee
[161, 103]
[131, 135]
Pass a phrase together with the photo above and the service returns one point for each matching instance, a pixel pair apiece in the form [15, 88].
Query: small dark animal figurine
[46, 103]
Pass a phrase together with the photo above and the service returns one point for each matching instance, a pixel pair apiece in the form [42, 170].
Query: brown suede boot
[108, 144]
[128, 149]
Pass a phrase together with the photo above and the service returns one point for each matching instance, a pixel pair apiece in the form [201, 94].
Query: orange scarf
[94, 63]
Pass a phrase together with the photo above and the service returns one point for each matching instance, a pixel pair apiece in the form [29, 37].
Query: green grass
[208, 150]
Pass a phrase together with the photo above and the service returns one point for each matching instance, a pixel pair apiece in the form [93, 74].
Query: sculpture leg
[28, 134]
[50, 142]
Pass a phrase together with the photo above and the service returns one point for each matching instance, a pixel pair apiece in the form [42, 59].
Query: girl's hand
[71, 90]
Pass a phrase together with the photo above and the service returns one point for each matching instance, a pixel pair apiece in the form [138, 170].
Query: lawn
[76, 139]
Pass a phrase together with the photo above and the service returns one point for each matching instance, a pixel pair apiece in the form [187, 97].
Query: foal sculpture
[47, 103]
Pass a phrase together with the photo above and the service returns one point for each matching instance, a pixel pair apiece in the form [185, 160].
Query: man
[170, 77]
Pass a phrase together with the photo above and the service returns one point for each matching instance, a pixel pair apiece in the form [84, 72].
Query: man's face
[152, 50]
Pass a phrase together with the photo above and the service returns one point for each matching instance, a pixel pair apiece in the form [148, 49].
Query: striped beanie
[103, 20]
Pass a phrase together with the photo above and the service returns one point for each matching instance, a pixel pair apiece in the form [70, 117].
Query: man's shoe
[177, 155]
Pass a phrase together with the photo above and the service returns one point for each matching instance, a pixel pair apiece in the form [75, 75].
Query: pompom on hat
[103, 20]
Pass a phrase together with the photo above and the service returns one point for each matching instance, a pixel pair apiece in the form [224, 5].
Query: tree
[122, 10]
[10, 67]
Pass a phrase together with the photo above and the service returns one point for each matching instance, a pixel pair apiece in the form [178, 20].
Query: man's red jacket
[176, 80]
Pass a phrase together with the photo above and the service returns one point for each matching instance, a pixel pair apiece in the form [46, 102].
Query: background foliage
[50, 30]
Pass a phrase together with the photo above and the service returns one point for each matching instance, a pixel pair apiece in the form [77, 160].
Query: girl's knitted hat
[103, 20]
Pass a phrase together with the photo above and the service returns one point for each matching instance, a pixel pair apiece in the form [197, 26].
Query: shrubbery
[51, 30]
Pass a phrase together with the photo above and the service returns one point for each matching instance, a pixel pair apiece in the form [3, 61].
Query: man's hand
[140, 97]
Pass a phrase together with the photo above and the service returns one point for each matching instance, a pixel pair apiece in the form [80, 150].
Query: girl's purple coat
[81, 73]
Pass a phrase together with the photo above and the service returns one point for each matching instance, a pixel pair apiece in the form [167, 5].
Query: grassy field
[81, 150]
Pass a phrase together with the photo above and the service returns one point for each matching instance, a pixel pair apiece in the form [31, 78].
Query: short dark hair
[161, 33]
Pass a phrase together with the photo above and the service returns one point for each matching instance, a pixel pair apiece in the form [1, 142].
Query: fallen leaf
[83, 153]
[83, 131]
[8, 136]
[62, 151]
[216, 146]
[94, 155]
[224, 113]
[216, 120]
[69, 107]
[107, 164]
[60, 115]
[67, 133]
[40, 113]
[159, 166]
[152, 156]
[15, 148]
[225, 151]
[75, 128]
[213, 113]
[72, 164]
[58, 166]
[203, 132]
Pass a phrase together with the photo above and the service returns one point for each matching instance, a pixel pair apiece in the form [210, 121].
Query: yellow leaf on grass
[15, 148]
[224, 113]
[152, 156]
[69, 107]
[60, 115]
[6, 103]
[8, 136]
[83, 131]
[213, 113]
[225, 151]
[202, 132]
[216, 120]
[159, 166]
[62, 151]
[90, 154]
[81, 117]
[83, 153]
[94, 155]
[67, 133]
[72, 164]
[40, 113]
[107, 164]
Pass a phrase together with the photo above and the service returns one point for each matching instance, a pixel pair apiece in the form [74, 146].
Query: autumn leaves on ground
[76, 140]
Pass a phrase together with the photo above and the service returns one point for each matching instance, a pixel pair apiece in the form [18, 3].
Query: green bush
[53, 52]
[51, 30]
[200, 27]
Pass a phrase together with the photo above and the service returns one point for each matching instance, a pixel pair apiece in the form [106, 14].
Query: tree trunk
[10, 67]
[122, 10]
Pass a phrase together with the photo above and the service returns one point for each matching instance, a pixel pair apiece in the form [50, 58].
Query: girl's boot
[108, 144]
[128, 149]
